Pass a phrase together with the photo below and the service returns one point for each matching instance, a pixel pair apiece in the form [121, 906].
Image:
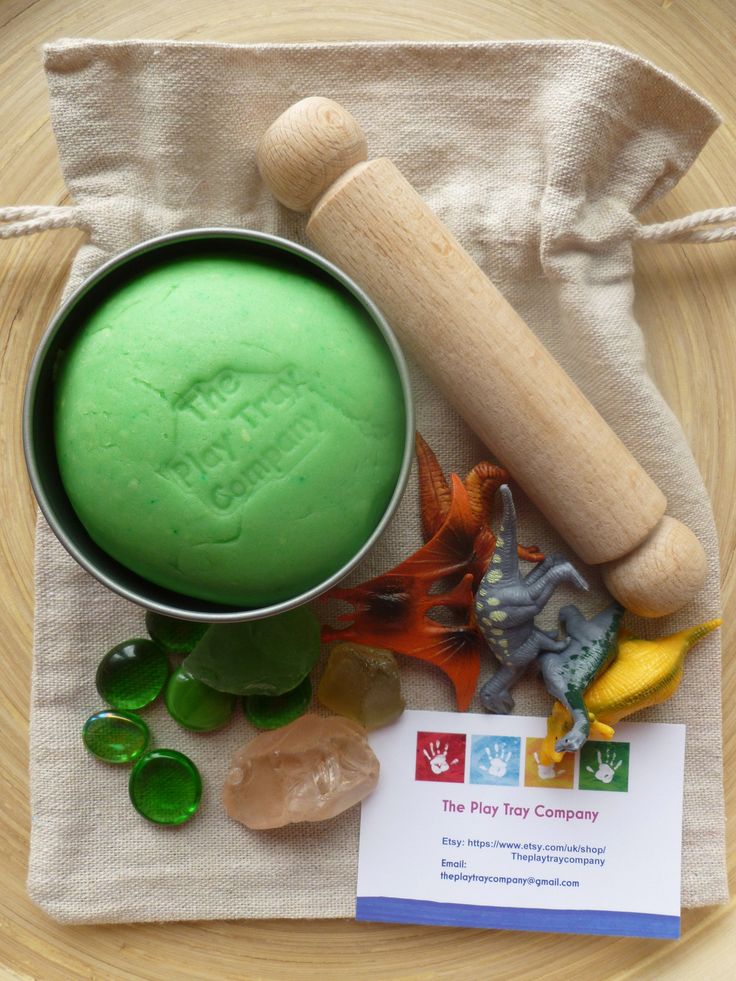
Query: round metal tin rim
[218, 614]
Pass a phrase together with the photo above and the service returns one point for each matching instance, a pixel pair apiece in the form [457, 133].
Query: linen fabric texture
[538, 156]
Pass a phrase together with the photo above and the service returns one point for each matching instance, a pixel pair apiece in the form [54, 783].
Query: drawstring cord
[29, 219]
[691, 228]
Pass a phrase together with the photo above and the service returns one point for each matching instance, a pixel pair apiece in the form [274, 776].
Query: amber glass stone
[273, 711]
[363, 684]
[115, 736]
[132, 674]
[195, 705]
[165, 787]
[174, 636]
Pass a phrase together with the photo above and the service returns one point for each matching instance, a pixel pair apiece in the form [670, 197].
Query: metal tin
[38, 439]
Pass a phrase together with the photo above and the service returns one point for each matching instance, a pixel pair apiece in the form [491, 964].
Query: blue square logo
[495, 760]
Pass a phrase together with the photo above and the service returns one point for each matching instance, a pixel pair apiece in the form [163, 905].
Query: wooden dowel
[368, 220]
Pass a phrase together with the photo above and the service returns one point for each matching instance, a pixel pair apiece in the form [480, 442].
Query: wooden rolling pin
[369, 221]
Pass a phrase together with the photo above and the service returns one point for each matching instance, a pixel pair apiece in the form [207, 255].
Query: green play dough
[229, 427]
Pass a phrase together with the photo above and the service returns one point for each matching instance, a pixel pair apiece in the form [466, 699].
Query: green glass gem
[274, 711]
[132, 674]
[258, 657]
[195, 705]
[115, 736]
[165, 787]
[174, 636]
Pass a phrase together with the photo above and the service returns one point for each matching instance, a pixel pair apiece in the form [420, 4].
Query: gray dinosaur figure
[591, 648]
[506, 604]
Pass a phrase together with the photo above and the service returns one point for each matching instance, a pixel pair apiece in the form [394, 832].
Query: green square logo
[604, 766]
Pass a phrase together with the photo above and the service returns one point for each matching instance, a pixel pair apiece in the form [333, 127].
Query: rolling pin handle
[662, 574]
[308, 147]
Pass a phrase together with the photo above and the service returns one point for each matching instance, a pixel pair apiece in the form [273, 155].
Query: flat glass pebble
[259, 657]
[115, 736]
[165, 787]
[132, 674]
[174, 636]
[274, 711]
[195, 705]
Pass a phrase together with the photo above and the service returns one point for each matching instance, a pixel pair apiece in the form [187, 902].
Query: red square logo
[441, 757]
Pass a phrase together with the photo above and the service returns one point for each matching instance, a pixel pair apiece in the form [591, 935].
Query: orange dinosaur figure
[481, 485]
[395, 610]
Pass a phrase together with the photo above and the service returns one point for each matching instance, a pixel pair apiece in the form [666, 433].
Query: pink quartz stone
[309, 770]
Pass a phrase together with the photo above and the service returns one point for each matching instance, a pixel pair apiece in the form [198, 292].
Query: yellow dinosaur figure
[643, 673]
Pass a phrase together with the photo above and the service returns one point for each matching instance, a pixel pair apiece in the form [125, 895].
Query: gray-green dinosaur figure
[591, 648]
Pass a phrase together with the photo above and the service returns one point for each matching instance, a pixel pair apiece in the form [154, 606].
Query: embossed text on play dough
[251, 437]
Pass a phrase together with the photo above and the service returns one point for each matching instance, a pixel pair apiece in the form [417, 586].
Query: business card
[467, 827]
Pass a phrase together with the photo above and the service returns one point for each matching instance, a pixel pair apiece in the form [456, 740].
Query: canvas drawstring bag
[538, 156]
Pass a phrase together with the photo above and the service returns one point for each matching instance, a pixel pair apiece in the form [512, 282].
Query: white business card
[468, 828]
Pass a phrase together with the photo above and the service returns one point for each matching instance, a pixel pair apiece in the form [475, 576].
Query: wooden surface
[685, 302]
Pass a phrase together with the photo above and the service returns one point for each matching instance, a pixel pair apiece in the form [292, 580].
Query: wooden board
[685, 302]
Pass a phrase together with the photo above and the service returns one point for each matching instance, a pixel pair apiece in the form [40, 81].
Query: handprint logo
[440, 756]
[546, 771]
[495, 760]
[498, 763]
[438, 760]
[539, 773]
[608, 763]
[604, 766]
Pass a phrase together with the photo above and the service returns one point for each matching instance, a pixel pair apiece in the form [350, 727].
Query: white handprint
[607, 765]
[438, 760]
[498, 763]
[546, 771]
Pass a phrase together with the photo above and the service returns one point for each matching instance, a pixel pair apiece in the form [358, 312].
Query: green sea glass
[272, 712]
[196, 706]
[258, 657]
[173, 635]
[165, 787]
[132, 674]
[115, 736]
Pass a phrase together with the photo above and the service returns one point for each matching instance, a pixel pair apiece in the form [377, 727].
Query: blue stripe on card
[386, 909]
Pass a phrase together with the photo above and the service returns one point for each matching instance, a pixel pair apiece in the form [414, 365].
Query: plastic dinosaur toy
[481, 484]
[592, 645]
[395, 610]
[506, 604]
[643, 673]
